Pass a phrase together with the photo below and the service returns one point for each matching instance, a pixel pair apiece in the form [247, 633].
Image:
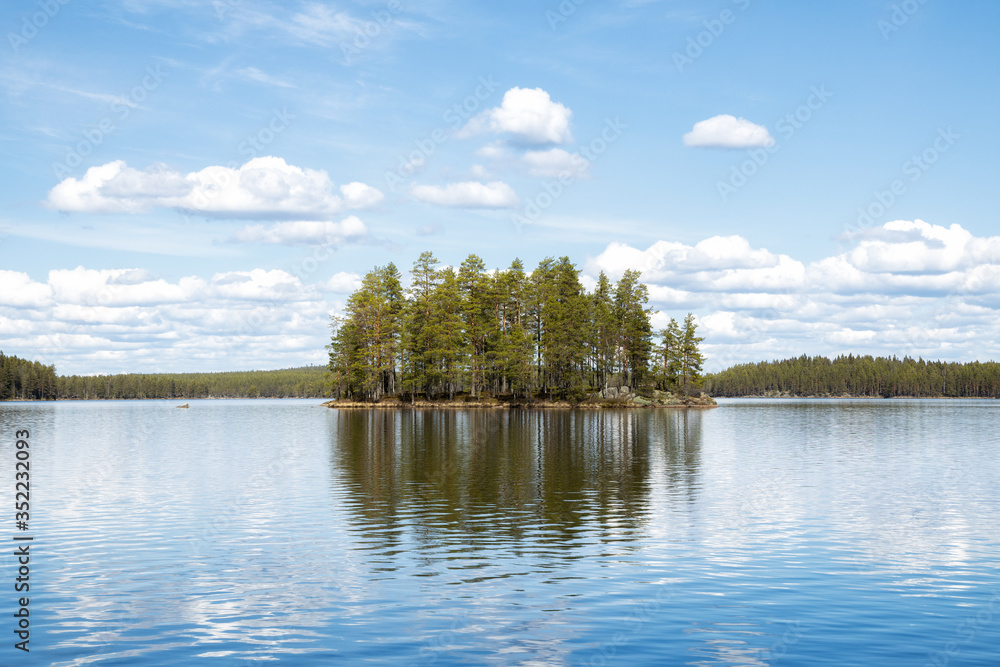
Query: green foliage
[691, 358]
[858, 376]
[668, 372]
[366, 338]
[500, 332]
[304, 382]
[634, 334]
[23, 380]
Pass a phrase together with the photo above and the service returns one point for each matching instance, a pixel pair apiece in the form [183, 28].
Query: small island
[600, 400]
[472, 337]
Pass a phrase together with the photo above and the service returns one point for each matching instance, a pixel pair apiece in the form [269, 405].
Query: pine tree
[448, 350]
[633, 329]
[417, 344]
[669, 370]
[478, 317]
[691, 356]
[604, 337]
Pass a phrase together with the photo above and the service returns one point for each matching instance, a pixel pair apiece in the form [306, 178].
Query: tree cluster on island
[509, 333]
[859, 376]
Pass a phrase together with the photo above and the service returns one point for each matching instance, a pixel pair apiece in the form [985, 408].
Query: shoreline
[821, 397]
[701, 402]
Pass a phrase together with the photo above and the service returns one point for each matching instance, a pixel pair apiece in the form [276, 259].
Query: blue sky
[198, 185]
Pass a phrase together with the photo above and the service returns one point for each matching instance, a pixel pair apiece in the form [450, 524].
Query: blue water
[814, 532]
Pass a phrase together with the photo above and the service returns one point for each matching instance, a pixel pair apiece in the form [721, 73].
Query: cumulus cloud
[469, 194]
[527, 115]
[907, 287]
[555, 163]
[725, 131]
[360, 195]
[304, 232]
[125, 320]
[18, 289]
[264, 187]
[342, 282]
[665, 258]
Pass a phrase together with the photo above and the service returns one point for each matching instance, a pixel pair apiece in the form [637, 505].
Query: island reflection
[552, 482]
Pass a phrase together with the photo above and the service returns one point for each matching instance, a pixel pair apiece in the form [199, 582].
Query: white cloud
[18, 289]
[360, 195]
[528, 115]
[319, 24]
[115, 287]
[469, 194]
[907, 287]
[938, 300]
[494, 151]
[263, 187]
[258, 284]
[342, 282]
[903, 246]
[555, 163]
[664, 258]
[129, 320]
[303, 232]
[255, 75]
[725, 131]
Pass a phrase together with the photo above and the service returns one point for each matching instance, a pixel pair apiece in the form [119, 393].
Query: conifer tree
[604, 331]
[691, 356]
[669, 369]
[633, 329]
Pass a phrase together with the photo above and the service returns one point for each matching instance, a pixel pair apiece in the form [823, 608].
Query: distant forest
[304, 382]
[30, 380]
[23, 380]
[858, 376]
[505, 332]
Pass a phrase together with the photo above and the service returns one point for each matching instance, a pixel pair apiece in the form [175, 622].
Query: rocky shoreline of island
[621, 398]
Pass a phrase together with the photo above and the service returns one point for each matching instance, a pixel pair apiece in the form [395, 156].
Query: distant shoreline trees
[863, 376]
[504, 332]
[23, 380]
[303, 382]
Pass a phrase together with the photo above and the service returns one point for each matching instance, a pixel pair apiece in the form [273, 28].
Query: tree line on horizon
[505, 332]
[22, 380]
[863, 376]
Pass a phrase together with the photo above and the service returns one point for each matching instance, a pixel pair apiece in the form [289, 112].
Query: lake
[791, 532]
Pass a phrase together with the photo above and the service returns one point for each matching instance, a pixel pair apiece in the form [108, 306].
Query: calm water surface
[819, 532]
